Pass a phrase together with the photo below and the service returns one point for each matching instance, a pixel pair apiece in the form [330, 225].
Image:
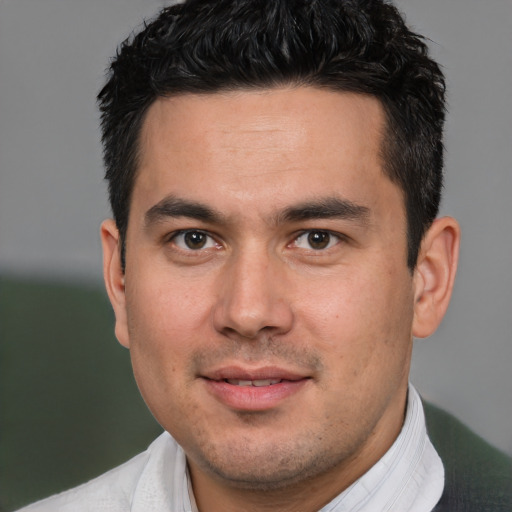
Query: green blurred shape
[69, 406]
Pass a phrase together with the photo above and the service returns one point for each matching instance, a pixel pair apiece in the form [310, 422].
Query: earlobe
[114, 277]
[434, 275]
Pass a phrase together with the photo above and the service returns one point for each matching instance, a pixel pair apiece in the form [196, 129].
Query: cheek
[166, 319]
[167, 308]
[165, 324]
[357, 311]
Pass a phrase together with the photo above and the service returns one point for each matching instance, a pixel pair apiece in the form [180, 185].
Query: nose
[253, 297]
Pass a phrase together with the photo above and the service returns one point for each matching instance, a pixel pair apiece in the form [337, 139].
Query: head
[361, 46]
[274, 171]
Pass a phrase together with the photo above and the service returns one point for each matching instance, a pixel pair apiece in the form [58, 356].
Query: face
[266, 301]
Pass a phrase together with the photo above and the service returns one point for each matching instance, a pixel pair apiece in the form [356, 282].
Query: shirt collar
[163, 483]
[409, 476]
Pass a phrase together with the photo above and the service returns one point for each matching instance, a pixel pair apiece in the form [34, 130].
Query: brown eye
[319, 239]
[193, 240]
[316, 240]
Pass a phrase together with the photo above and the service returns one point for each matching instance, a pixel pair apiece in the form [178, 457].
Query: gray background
[52, 199]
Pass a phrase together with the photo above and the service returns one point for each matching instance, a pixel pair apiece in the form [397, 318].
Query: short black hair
[208, 46]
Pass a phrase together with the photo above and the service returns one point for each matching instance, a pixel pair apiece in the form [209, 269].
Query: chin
[249, 466]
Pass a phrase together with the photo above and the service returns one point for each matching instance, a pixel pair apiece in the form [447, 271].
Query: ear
[434, 275]
[114, 277]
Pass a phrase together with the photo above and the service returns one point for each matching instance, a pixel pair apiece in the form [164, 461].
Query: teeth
[267, 382]
[256, 383]
[242, 382]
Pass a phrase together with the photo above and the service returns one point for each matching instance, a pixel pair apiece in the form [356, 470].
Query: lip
[252, 398]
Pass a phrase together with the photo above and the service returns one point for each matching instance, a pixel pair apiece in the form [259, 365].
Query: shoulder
[110, 492]
[477, 475]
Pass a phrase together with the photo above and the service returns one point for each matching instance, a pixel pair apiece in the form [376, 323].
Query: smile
[252, 389]
[255, 383]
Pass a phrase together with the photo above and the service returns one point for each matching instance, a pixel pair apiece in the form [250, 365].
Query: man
[274, 172]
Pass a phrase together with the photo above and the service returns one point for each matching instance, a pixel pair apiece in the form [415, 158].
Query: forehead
[243, 144]
[235, 116]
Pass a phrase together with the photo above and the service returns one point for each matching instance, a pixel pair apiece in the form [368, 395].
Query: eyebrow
[325, 208]
[173, 207]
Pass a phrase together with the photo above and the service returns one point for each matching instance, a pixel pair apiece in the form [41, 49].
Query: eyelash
[333, 239]
[184, 232]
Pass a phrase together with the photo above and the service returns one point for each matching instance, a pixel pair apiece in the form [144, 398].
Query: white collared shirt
[408, 478]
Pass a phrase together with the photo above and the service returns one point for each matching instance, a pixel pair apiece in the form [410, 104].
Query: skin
[257, 177]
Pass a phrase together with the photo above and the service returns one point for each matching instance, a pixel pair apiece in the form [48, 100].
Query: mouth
[256, 389]
[256, 383]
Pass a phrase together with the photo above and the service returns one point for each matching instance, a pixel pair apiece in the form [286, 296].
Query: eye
[316, 239]
[193, 240]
